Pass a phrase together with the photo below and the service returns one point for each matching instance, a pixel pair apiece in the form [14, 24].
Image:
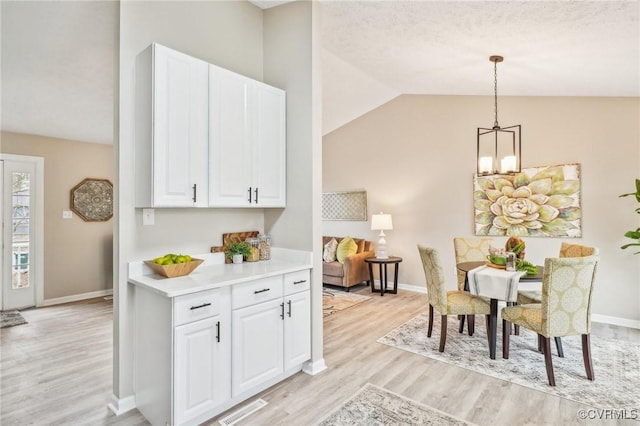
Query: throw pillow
[329, 254]
[347, 247]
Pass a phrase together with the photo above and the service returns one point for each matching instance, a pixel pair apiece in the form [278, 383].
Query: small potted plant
[237, 251]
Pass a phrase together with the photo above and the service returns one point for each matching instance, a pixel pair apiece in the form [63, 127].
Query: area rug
[616, 364]
[335, 300]
[373, 405]
[11, 318]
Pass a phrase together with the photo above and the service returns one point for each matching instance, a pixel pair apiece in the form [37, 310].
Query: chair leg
[586, 355]
[471, 319]
[443, 332]
[516, 329]
[559, 347]
[540, 349]
[430, 327]
[506, 328]
[487, 318]
[461, 328]
[548, 360]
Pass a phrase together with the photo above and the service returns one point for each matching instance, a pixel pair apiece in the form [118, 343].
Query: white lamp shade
[381, 222]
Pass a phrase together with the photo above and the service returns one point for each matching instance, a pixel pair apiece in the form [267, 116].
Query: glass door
[18, 272]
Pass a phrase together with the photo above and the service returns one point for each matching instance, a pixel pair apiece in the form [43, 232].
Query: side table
[383, 272]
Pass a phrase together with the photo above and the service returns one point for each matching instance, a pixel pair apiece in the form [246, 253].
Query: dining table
[485, 286]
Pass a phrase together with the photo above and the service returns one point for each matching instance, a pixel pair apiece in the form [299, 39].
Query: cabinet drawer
[257, 291]
[196, 306]
[295, 282]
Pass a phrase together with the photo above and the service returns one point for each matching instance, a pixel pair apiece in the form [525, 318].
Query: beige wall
[77, 254]
[415, 156]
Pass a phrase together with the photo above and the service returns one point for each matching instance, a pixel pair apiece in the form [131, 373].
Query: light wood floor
[57, 370]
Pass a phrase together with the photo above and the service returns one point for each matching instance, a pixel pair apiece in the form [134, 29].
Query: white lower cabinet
[257, 345]
[273, 336]
[200, 354]
[201, 368]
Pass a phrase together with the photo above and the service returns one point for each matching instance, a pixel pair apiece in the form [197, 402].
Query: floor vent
[243, 412]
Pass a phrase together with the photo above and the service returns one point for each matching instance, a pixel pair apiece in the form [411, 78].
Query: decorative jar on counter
[265, 246]
[254, 249]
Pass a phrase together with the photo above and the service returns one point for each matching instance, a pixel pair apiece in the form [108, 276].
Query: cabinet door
[269, 176]
[180, 133]
[257, 345]
[229, 140]
[202, 361]
[297, 329]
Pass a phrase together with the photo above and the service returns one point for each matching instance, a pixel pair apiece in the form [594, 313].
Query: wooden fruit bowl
[175, 270]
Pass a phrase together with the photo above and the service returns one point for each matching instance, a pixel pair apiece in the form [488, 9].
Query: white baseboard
[624, 322]
[120, 406]
[315, 367]
[76, 297]
[417, 289]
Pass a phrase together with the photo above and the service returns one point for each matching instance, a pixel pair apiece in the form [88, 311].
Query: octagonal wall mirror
[92, 200]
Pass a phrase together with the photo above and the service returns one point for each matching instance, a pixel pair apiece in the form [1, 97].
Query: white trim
[417, 289]
[76, 297]
[624, 322]
[121, 406]
[314, 367]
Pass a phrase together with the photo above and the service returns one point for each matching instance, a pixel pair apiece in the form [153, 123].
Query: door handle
[218, 332]
[261, 291]
[249, 195]
[256, 192]
[289, 303]
[194, 192]
[282, 307]
[299, 282]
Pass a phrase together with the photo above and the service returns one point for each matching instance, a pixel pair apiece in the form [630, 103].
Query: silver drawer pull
[204, 305]
[261, 291]
[299, 282]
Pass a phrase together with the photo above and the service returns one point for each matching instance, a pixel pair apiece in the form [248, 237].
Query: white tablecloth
[494, 283]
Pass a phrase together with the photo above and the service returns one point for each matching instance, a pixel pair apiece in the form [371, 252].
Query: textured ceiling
[58, 58]
[557, 48]
[58, 68]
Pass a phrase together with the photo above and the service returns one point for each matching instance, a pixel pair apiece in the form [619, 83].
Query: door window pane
[20, 230]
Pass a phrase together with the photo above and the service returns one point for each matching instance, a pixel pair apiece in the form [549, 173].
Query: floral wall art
[537, 202]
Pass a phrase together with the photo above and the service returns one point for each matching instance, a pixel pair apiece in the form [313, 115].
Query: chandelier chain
[495, 93]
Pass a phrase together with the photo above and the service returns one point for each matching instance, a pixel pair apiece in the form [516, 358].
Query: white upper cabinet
[171, 129]
[247, 143]
[206, 136]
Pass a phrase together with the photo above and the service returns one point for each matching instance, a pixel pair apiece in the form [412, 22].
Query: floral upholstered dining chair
[535, 296]
[453, 302]
[565, 308]
[469, 250]
[566, 250]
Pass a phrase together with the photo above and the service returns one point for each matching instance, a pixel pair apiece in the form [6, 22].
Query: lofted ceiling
[58, 57]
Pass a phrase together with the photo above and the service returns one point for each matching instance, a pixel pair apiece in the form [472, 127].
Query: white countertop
[214, 273]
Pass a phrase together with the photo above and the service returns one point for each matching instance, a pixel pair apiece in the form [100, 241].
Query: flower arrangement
[498, 256]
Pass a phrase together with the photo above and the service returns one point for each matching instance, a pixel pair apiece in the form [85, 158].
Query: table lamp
[381, 222]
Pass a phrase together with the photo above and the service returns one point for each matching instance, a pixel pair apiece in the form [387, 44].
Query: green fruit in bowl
[497, 260]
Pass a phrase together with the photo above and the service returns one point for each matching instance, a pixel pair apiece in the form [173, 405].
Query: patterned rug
[11, 318]
[336, 300]
[616, 364]
[373, 405]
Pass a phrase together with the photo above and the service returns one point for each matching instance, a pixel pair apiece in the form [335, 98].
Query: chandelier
[499, 148]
